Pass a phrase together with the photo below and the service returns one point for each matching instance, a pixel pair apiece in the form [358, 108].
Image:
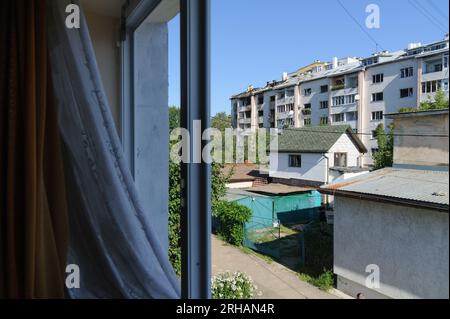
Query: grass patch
[324, 281]
[319, 256]
[249, 251]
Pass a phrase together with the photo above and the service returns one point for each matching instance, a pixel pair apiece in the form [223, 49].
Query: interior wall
[105, 34]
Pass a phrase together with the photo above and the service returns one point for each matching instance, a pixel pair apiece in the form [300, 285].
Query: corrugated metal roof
[405, 184]
[237, 194]
[279, 189]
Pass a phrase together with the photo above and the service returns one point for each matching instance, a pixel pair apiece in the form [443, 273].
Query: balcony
[306, 112]
[348, 82]
[337, 87]
[434, 76]
[343, 90]
[281, 101]
[245, 121]
[284, 115]
[286, 100]
[290, 99]
[245, 108]
[353, 107]
[433, 67]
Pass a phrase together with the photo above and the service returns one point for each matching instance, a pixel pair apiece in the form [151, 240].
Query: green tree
[384, 157]
[221, 121]
[218, 191]
[174, 117]
[440, 102]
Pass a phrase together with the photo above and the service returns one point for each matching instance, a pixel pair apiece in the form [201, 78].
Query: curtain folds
[33, 211]
[62, 172]
[112, 239]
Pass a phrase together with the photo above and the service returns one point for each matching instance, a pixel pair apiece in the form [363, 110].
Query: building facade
[393, 223]
[351, 91]
[315, 158]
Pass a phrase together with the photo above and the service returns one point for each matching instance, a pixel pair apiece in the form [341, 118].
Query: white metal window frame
[195, 106]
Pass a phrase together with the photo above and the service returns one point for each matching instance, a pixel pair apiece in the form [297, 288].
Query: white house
[314, 156]
[391, 226]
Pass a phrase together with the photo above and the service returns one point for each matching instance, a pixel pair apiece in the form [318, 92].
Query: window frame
[324, 120]
[340, 115]
[195, 26]
[322, 87]
[344, 154]
[410, 93]
[307, 122]
[299, 163]
[406, 72]
[260, 100]
[377, 118]
[324, 104]
[378, 78]
[374, 98]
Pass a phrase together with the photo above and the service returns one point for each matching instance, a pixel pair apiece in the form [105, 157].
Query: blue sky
[255, 41]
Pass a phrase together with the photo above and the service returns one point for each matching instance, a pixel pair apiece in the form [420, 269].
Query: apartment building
[351, 91]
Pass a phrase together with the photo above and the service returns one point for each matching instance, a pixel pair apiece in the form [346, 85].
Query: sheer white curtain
[112, 239]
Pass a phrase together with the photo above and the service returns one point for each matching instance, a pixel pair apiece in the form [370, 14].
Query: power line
[413, 4]
[438, 10]
[370, 134]
[425, 10]
[363, 29]
[379, 45]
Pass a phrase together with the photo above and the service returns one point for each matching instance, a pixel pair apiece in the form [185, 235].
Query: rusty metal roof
[408, 186]
[244, 172]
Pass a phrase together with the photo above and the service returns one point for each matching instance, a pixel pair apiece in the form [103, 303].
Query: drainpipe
[328, 175]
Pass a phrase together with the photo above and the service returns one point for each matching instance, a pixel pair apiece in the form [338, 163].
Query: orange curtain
[33, 211]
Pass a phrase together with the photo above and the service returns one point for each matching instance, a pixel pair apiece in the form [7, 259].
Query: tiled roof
[314, 139]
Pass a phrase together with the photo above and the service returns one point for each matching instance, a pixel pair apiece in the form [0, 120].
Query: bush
[325, 281]
[231, 218]
[174, 217]
[233, 286]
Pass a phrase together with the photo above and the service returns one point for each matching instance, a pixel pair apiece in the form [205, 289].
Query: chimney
[335, 62]
[285, 76]
[414, 45]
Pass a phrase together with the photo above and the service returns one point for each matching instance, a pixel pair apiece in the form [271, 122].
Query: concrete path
[273, 280]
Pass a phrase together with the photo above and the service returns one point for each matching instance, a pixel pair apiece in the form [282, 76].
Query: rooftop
[315, 139]
[383, 58]
[416, 188]
[418, 113]
[279, 190]
[244, 172]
